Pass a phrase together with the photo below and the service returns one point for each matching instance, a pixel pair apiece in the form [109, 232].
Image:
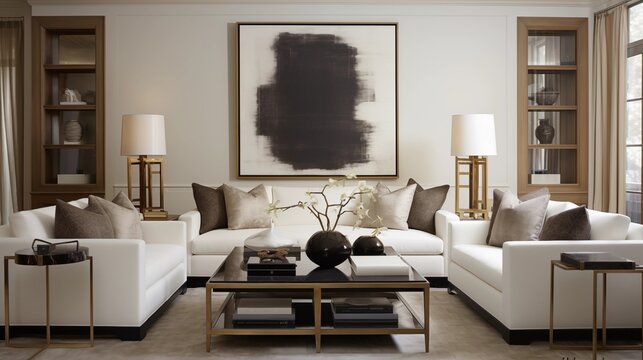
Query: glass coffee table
[311, 289]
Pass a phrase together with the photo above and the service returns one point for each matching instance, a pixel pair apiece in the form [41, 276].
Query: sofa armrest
[468, 232]
[164, 232]
[442, 220]
[525, 277]
[192, 220]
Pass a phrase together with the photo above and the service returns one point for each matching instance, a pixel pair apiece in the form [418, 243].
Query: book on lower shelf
[264, 312]
[364, 265]
[264, 320]
[363, 312]
[596, 261]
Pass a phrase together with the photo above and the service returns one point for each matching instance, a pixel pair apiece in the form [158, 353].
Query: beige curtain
[11, 45]
[608, 122]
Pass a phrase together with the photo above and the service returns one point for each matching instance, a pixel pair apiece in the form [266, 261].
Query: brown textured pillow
[211, 204]
[125, 218]
[572, 224]
[89, 223]
[517, 220]
[497, 198]
[426, 202]
[246, 210]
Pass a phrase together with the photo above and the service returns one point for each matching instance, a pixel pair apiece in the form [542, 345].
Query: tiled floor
[456, 333]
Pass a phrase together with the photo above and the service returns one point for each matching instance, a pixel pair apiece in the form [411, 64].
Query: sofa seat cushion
[405, 242]
[160, 259]
[484, 261]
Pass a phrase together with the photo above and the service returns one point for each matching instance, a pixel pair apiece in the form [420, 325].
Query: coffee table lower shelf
[313, 316]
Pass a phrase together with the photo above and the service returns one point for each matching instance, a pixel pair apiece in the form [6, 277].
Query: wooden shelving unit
[68, 53]
[552, 98]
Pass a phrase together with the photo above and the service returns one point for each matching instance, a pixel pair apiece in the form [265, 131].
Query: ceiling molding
[591, 3]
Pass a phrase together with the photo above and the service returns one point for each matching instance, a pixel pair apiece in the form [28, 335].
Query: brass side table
[595, 346]
[59, 256]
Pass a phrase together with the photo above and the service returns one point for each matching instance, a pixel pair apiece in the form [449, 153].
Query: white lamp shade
[143, 134]
[473, 135]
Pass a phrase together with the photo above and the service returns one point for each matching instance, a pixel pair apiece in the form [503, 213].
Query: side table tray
[59, 256]
[594, 346]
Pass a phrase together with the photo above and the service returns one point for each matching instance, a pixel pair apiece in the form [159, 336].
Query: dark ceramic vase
[328, 248]
[545, 132]
[368, 245]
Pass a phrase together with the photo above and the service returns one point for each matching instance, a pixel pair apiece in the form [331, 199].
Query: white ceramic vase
[73, 132]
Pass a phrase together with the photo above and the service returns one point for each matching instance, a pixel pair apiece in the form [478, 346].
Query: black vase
[328, 248]
[545, 132]
[368, 245]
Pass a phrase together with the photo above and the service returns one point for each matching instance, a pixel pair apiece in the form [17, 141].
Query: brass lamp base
[476, 172]
[145, 201]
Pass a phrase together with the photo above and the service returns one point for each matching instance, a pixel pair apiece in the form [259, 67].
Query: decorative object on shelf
[473, 136]
[73, 132]
[368, 245]
[328, 248]
[143, 135]
[268, 239]
[313, 103]
[546, 96]
[545, 132]
[72, 97]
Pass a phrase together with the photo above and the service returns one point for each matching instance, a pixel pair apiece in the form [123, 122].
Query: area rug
[456, 333]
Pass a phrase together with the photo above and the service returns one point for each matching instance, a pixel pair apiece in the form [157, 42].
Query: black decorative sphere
[328, 248]
[368, 245]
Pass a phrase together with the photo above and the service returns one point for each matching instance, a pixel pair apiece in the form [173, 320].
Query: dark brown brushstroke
[307, 111]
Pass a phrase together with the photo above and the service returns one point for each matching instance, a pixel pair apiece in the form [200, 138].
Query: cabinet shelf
[70, 146]
[552, 108]
[70, 68]
[70, 107]
[551, 68]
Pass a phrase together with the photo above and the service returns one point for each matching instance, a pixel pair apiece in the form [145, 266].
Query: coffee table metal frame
[317, 289]
[594, 346]
[48, 343]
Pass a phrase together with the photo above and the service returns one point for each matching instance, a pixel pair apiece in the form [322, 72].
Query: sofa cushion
[38, 223]
[246, 210]
[608, 226]
[211, 204]
[405, 242]
[483, 261]
[497, 198]
[125, 218]
[516, 220]
[89, 223]
[571, 224]
[426, 202]
[391, 208]
[160, 259]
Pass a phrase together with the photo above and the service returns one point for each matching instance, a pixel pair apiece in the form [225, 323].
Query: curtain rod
[629, 2]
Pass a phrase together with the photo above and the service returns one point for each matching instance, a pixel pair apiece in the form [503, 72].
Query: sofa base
[525, 337]
[124, 333]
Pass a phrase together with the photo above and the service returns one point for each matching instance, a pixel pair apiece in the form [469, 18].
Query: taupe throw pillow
[125, 218]
[426, 202]
[497, 198]
[392, 206]
[246, 210]
[517, 220]
[572, 224]
[211, 204]
[89, 223]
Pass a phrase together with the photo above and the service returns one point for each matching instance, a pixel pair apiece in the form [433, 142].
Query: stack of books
[383, 267]
[271, 267]
[363, 312]
[264, 313]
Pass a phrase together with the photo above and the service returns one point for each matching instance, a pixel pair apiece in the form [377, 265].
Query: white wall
[180, 61]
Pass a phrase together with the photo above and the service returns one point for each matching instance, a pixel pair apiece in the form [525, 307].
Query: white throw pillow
[608, 226]
[392, 206]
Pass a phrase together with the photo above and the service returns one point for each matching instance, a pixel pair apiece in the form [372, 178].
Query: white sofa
[205, 252]
[134, 279]
[510, 285]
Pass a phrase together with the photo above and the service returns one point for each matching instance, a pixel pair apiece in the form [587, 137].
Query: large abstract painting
[317, 99]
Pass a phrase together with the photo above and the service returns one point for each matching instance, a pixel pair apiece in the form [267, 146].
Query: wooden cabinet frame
[576, 192]
[45, 192]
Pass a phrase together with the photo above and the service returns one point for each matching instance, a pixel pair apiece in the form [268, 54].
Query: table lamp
[473, 138]
[143, 141]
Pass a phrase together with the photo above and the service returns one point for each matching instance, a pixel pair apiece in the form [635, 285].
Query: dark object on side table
[595, 261]
[328, 248]
[368, 245]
